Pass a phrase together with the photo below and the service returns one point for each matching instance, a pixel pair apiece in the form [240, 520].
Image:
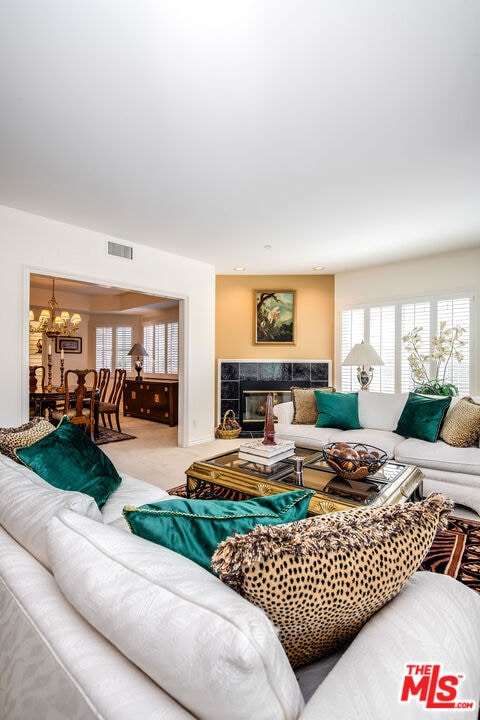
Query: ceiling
[277, 136]
[103, 298]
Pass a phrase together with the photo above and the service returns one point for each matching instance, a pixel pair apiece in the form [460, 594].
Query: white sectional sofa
[98, 623]
[453, 471]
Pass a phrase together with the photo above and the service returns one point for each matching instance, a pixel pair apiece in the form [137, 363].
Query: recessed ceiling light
[318, 267]
[267, 247]
[239, 268]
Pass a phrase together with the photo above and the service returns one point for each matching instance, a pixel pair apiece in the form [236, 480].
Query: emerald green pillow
[68, 459]
[195, 527]
[337, 410]
[422, 417]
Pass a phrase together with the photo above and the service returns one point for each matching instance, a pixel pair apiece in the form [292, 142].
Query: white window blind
[385, 326]
[112, 345]
[161, 342]
[123, 343]
[160, 348]
[382, 339]
[148, 345]
[103, 347]
[172, 343]
[456, 312]
[413, 315]
[353, 332]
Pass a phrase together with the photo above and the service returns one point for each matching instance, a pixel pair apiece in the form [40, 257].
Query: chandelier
[52, 322]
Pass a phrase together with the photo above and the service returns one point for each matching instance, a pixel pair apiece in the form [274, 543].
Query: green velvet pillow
[337, 410]
[195, 527]
[422, 417]
[68, 459]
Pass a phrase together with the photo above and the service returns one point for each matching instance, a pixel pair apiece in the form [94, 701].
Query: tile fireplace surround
[237, 376]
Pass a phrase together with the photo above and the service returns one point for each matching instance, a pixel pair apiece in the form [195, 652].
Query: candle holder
[298, 469]
[61, 387]
[49, 387]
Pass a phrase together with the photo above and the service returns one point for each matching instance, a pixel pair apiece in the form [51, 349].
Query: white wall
[448, 272]
[30, 243]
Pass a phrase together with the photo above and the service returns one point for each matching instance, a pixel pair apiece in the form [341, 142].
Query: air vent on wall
[123, 251]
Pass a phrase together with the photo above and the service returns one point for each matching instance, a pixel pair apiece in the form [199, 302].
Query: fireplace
[245, 384]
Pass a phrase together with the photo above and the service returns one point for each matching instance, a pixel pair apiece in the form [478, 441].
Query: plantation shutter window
[160, 348]
[385, 328]
[123, 343]
[103, 347]
[353, 332]
[111, 347]
[161, 342]
[172, 344]
[148, 345]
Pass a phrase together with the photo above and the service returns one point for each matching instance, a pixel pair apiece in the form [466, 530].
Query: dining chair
[103, 380]
[80, 411]
[112, 406]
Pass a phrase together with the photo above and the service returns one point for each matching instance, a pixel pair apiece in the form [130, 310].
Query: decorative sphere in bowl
[354, 460]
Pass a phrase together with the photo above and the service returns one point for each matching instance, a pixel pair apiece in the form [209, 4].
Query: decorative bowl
[354, 460]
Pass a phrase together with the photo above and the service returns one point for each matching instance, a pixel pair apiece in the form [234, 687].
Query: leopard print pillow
[24, 435]
[319, 580]
[461, 427]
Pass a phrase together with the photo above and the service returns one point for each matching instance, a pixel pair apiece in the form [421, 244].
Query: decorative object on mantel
[53, 322]
[229, 427]
[140, 352]
[363, 355]
[429, 372]
[269, 429]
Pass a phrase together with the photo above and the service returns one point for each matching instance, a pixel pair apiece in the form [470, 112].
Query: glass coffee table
[392, 483]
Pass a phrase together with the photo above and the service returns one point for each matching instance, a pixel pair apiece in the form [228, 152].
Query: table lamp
[363, 355]
[140, 352]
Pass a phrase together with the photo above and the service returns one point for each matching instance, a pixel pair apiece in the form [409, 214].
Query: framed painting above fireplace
[274, 317]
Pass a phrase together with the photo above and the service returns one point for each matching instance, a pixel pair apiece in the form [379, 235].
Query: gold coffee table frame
[393, 483]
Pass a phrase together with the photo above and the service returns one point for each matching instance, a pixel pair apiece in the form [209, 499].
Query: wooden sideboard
[152, 399]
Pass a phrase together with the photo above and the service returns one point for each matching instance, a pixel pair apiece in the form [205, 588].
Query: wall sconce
[362, 355]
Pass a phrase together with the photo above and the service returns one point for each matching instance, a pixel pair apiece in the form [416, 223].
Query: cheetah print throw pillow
[23, 436]
[461, 427]
[320, 579]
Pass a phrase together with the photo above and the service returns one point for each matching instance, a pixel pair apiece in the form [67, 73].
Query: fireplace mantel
[266, 375]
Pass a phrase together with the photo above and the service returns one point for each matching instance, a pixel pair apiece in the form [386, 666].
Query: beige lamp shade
[364, 356]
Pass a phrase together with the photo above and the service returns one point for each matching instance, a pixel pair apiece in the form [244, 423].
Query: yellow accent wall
[235, 312]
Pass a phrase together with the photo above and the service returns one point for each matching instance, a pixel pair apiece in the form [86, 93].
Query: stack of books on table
[255, 451]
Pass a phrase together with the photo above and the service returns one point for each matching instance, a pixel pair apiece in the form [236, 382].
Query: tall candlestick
[62, 362]
[62, 355]
[49, 387]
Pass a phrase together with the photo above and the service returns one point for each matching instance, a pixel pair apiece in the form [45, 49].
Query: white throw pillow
[27, 503]
[380, 411]
[210, 649]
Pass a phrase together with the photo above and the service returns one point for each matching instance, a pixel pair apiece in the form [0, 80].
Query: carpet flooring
[105, 435]
[454, 551]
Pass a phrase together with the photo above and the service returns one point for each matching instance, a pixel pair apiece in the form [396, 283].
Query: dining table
[44, 399]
